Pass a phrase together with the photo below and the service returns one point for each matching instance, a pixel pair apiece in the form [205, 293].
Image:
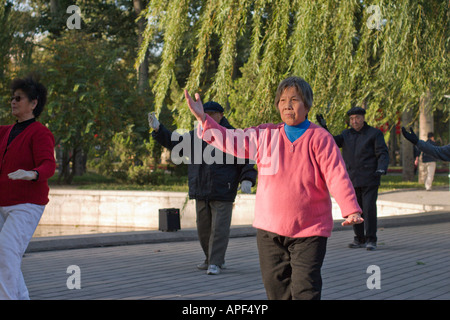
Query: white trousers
[430, 169]
[17, 226]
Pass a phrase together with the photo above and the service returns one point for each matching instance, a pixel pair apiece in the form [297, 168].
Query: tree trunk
[392, 147]
[65, 166]
[425, 125]
[79, 162]
[143, 67]
[53, 7]
[407, 151]
[73, 163]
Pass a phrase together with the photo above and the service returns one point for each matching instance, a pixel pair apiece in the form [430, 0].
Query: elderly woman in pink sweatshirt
[299, 165]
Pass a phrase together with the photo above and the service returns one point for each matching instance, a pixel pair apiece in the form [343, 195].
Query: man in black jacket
[213, 181]
[366, 157]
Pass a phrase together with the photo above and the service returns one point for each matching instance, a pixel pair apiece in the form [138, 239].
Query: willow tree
[413, 66]
[413, 58]
[386, 67]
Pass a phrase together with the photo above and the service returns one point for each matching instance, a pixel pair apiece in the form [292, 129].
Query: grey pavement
[437, 197]
[412, 262]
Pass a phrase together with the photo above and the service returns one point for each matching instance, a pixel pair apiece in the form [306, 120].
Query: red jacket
[32, 149]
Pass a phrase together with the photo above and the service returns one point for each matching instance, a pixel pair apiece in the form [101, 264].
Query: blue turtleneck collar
[295, 132]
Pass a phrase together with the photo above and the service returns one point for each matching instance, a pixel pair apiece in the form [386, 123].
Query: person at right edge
[442, 153]
[366, 157]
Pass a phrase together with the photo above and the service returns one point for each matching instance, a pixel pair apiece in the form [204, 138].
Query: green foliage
[17, 29]
[127, 160]
[391, 182]
[88, 104]
[329, 43]
[88, 73]
[235, 52]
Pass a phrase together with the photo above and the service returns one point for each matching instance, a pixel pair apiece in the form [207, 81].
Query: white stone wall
[140, 209]
[136, 209]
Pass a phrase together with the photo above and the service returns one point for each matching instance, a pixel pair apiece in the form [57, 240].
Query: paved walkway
[438, 197]
[412, 262]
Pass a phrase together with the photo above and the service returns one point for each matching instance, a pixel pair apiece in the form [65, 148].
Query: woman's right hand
[196, 107]
[354, 218]
[23, 175]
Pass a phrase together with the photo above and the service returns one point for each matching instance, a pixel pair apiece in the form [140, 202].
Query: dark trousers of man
[367, 200]
[291, 267]
[213, 227]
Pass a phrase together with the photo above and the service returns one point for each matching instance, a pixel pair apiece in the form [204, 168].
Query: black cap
[356, 110]
[212, 106]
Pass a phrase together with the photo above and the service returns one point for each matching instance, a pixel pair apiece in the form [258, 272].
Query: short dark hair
[34, 91]
[303, 88]
[430, 135]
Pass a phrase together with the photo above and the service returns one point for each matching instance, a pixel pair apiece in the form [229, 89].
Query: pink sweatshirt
[294, 179]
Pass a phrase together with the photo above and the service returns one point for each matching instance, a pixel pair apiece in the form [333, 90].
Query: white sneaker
[213, 269]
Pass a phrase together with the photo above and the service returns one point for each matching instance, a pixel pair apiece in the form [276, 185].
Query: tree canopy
[89, 73]
[130, 57]
[384, 55]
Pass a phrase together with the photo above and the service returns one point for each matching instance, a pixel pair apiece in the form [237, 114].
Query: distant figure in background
[429, 163]
[26, 163]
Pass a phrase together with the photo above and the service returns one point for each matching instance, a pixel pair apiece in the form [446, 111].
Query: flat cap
[212, 106]
[356, 110]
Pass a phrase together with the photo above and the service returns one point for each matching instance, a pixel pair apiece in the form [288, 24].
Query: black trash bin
[169, 219]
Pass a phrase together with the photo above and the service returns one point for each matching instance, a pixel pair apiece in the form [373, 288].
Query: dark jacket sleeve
[164, 137]
[339, 139]
[381, 152]
[442, 153]
[248, 172]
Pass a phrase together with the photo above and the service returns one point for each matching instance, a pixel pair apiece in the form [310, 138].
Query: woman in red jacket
[26, 163]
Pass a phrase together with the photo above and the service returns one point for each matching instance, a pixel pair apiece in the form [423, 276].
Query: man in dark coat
[367, 158]
[213, 179]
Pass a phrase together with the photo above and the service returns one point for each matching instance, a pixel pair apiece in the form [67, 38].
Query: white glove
[152, 121]
[23, 175]
[246, 186]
